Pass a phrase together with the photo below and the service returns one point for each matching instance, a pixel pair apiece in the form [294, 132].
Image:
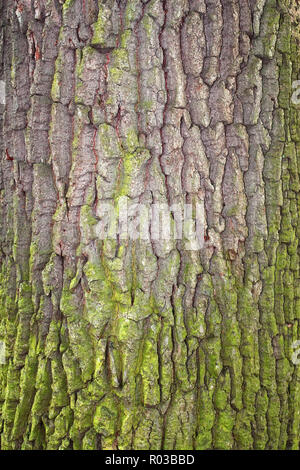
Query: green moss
[12, 394]
[79, 337]
[43, 392]
[130, 13]
[147, 23]
[62, 425]
[221, 392]
[120, 59]
[271, 18]
[109, 142]
[87, 217]
[100, 27]
[47, 275]
[147, 105]
[267, 360]
[73, 372]
[67, 4]
[212, 348]
[53, 339]
[150, 373]
[115, 75]
[68, 305]
[89, 441]
[125, 36]
[206, 419]
[242, 431]
[106, 416]
[55, 89]
[26, 396]
[281, 258]
[261, 433]
[223, 427]
[60, 396]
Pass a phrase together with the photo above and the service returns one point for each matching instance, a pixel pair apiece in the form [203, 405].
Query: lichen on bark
[125, 344]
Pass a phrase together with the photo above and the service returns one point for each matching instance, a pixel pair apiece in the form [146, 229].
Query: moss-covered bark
[114, 344]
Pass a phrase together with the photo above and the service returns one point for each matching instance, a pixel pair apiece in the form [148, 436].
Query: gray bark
[122, 344]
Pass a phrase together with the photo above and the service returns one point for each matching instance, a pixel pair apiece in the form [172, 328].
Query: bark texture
[135, 345]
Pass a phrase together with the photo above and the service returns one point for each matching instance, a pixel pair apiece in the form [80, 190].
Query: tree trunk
[122, 343]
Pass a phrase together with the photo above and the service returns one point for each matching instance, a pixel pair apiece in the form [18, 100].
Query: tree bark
[129, 344]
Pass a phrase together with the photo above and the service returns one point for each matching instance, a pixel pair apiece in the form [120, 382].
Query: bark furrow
[136, 344]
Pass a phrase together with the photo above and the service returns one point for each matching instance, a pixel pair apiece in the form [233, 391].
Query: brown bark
[123, 344]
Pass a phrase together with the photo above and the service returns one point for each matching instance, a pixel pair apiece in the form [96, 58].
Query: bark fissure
[132, 344]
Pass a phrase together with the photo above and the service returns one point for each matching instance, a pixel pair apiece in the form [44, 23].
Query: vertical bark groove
[122, 344]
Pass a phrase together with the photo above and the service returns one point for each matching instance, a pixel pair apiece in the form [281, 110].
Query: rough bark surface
[136, 345]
